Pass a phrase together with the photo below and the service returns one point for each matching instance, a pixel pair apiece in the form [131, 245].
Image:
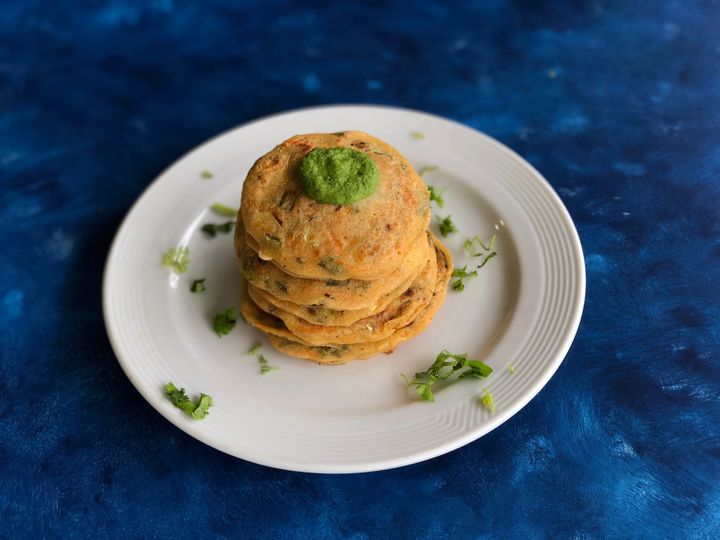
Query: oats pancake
[365, 240]
[397, 314]
[261, 320]
[340, 354]
[323, 316]
[329, 293]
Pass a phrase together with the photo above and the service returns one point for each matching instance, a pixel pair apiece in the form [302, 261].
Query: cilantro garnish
[427, 169]
[511, 370]
[486, 259]
[417, 135]
[180, 399]
[447, 365]
[255, 349]
[177, 259]
[446, 226]
[265, 367]
[468, 245]
[222, 210]
[211, 229]
[225, 321]
[485, 249]
[436, 195]
[487, 400]
[198, 286]
[461, 273]
[206, 174]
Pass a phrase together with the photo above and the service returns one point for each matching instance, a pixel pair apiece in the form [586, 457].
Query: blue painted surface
[617, 103]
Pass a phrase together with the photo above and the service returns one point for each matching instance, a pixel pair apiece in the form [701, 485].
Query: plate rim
[552, 364]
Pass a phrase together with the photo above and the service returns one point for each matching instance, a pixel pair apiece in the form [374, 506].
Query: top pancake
[365, 240]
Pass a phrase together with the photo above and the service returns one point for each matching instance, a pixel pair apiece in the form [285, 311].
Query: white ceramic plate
[522, 310]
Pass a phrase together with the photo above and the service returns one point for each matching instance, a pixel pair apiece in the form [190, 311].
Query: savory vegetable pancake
[329, 293]
[331, 317]
[340, 354]
[397, 314]
[381, 206]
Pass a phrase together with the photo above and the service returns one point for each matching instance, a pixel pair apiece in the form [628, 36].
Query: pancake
[366, 240]
[261, 320]
[328, 293]
[340, 354]
[397, 314]
[331, 317]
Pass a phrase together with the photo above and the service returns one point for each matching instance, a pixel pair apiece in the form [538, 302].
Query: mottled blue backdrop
[617, 103]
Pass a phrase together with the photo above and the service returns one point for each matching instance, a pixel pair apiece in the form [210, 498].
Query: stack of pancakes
[332, 283]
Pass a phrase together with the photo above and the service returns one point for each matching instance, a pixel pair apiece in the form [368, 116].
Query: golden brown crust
[323, 316]
[397, 314]
[340, 354]
[329, 293]
[365, 241]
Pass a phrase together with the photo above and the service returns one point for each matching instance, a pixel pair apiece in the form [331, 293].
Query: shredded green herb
[427, 169]
[486, 250]
[198, 286]
[511, 370]
[417, 135]
[211, 229]
[254, 349]
[486, 259]
[281, 287]
[273, 239]
[436, 195]
[461, 274]
[177, 259]
[468, 245]
[447, 365]
[180, 399]
[487, 400]
[225, 321]
[206, 174]
[225, 211]
[265, 366]
[329, 264]
[446, 226]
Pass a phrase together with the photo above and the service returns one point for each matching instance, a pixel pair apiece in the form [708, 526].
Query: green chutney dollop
[338, 175]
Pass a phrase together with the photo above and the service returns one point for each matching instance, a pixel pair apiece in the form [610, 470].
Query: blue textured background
[617, 103]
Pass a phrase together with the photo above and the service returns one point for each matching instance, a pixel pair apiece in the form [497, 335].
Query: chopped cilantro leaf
[461, 274]
[179, 398]
[427, 169]
[265, 367]
[222, 210]
[511, 370]
[447, 365]
[436, 195]
[255, 349]
[177, 259]
[225, 321]
[487, 400]
[197, 286]
[446, 226]
[203, 407]
[211, 229]
[206, 174]
[417, 135]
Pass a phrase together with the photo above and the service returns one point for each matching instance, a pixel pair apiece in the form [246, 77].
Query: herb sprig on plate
[446, 226]
[177, 258]
[447, 367]
[225, 321]
[180, 399]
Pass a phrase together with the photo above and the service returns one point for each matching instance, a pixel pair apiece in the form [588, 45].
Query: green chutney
[338, 175]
